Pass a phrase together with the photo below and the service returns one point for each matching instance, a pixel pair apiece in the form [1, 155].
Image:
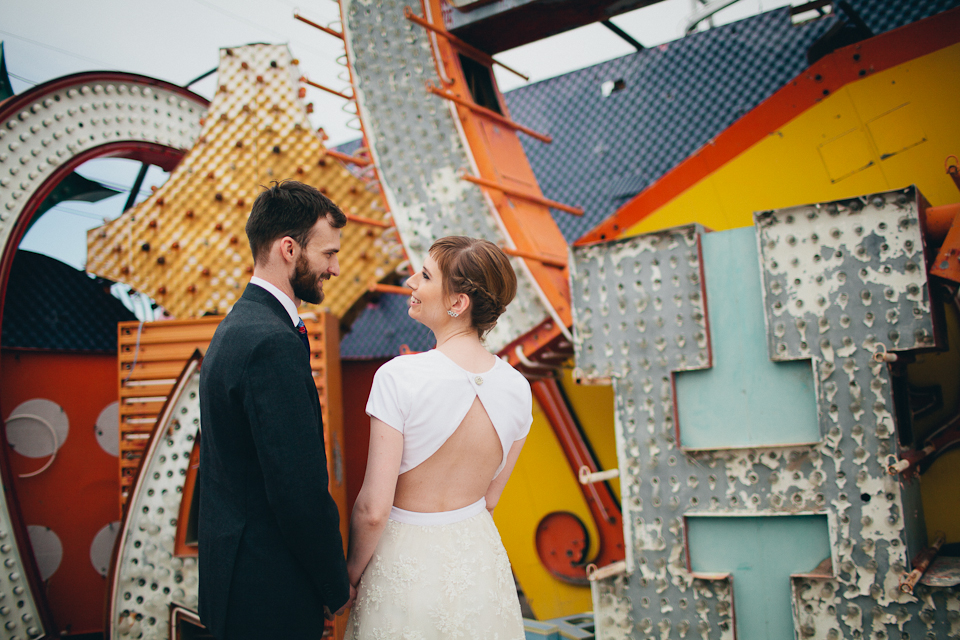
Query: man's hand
[342, 610]
[350, 602]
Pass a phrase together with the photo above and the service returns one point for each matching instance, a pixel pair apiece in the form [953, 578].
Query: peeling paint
[866, 296]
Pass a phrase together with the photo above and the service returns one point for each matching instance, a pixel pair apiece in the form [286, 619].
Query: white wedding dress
[441, 576]
[436, 576]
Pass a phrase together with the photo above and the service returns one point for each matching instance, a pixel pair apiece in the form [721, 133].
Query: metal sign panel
[839, 281]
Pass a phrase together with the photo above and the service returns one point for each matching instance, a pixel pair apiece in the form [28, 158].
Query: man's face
[317, 262]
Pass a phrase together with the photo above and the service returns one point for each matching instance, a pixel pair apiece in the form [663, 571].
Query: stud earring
[453, 314]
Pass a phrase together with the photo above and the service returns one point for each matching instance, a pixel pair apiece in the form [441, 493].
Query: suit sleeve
[289, 441]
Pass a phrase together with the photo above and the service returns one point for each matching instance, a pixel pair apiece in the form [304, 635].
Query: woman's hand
[372, 508]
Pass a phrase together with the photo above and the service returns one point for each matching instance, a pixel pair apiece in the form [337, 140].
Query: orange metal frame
[501, 162]
[821, 79]
[182, 548]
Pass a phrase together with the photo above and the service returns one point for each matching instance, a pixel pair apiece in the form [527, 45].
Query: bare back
[459, 473]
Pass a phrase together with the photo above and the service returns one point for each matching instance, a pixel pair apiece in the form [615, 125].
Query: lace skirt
[431, 578]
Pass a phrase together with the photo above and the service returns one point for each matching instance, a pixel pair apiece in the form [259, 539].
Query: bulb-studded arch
[45, 133]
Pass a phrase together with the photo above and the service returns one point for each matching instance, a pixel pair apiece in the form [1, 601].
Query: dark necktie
[303, 334]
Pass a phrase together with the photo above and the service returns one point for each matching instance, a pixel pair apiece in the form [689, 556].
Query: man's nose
[334, 268]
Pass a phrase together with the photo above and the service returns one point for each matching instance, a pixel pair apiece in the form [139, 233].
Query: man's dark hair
[288, 208]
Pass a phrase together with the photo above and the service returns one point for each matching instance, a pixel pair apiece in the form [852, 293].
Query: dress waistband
[437, 517]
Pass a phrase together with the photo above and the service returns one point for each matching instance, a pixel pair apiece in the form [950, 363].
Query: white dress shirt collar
[279, 295]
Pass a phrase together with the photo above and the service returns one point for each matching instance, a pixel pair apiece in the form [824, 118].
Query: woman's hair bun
[481, 270]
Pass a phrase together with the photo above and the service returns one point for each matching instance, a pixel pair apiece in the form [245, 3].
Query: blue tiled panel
[350, 147]
[51, 305]
[676, 98]
[381, 328]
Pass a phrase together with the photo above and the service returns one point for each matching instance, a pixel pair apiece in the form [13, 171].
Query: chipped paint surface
[639, 316]
[419, 149]
[856, 266]
[147, 576]
[21, 614]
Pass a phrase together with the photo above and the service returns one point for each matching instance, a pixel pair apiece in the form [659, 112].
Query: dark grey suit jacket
[271, 555]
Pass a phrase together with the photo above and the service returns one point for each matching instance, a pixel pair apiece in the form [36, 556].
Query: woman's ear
[461, 304]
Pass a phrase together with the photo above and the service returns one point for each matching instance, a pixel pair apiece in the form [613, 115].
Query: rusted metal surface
[838, 280]
[943, 572]
[920, 564]
[947, 263]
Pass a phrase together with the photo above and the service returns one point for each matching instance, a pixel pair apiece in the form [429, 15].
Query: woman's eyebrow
[427, 271]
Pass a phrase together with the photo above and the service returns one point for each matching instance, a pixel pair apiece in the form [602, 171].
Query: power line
[261, 27]
[22, 79]
[83, 214]
[57, 49]
[119, 187]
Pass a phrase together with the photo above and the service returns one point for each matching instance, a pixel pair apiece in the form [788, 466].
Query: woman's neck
[463, 346]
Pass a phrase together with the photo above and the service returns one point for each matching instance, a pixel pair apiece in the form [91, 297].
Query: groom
[271, 555]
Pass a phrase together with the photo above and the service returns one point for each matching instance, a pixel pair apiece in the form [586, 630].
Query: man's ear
[289, 249]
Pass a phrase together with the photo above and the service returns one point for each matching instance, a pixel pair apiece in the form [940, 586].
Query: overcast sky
[179, 40]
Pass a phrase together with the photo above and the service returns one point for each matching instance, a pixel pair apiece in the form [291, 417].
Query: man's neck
[277, 280]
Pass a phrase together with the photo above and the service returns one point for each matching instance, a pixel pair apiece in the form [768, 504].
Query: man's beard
[306, 284]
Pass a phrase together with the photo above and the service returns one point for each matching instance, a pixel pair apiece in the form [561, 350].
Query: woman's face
[428, 304]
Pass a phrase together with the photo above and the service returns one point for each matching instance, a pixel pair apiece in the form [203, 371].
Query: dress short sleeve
[384, 401]
[527, 408]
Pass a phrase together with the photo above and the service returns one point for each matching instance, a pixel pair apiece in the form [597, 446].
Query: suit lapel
[257, 294]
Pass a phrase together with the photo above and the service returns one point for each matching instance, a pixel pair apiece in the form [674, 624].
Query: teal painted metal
[576, 627]
[761, 553]
[745, 399]
[533, 630]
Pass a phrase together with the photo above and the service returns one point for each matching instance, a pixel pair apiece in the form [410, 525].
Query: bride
[446, 428]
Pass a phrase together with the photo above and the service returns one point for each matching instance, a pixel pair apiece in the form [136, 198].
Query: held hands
[343, 609]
